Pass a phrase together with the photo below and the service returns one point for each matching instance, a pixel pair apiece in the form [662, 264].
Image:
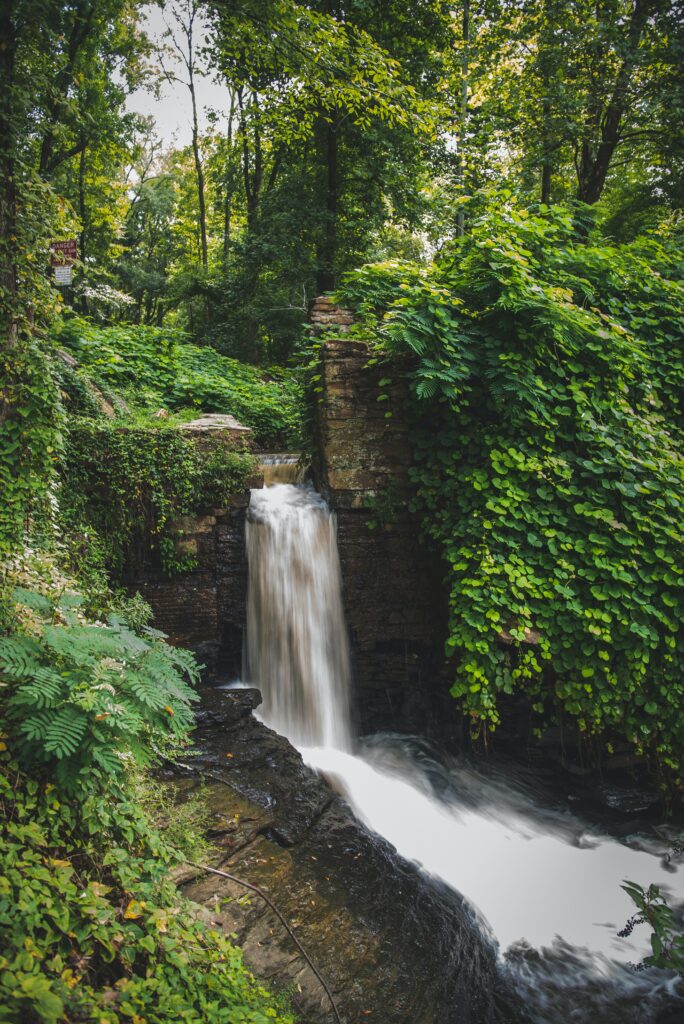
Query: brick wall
[394, 599]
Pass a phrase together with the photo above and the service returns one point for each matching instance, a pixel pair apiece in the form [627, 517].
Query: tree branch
[260, 892]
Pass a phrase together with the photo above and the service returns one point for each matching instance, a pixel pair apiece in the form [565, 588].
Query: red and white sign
[63, 253]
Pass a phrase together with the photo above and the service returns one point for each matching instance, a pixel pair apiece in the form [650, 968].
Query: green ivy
[93, 929]
[30, 415]
[122, 487]
[547, 391]
[30, 424]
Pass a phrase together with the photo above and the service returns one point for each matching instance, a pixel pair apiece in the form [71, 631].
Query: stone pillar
[393, 595]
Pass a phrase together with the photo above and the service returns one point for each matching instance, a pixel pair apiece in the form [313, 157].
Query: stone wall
[205, 609]
[393, 596]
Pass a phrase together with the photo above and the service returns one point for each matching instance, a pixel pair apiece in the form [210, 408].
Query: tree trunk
[199, 170]
[596, 154]
[460, 172]
[327, 256]
[82, 210]
[83, 15]
[8, 196]
[229, 183]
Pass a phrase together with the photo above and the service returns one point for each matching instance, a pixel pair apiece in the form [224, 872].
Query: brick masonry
[394, 599]
[393, 594]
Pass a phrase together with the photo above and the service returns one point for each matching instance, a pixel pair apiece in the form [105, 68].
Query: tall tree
[306, 72]
[182, 27]
[570, 92]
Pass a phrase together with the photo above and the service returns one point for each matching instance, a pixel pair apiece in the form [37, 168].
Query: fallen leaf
[134, 909]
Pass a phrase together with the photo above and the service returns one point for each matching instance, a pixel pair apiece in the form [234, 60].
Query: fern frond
[66, 730]
[147, 690]
[186, 661]
[89, 643]
[44, 691]
[107, 759]
[19, 656]
[35, 728]
[426, 388]
[30, 599]
[127, 718]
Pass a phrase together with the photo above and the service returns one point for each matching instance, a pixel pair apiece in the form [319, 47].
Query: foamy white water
[529, 884]
[535, 876]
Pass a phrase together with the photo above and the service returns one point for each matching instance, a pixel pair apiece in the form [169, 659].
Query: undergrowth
[91, 927]
[152, 368]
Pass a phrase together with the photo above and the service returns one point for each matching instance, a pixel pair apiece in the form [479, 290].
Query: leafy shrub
[153, 367]
[548, 466]
[667, 938]
[30, 427]
[80, 694]
[93, 929]
[91, 926]
[124, 485]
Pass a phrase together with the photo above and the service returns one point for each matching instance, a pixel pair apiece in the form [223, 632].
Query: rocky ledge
[394, 946]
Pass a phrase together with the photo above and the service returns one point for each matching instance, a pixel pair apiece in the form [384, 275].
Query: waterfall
[545, 884]
[281, 469]
[297, 652]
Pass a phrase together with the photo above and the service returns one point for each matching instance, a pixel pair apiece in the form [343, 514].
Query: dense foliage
[153, 368]
[81, 695]
[121, 488]
[546, 346]
[548, 465]
[92, 927]
[667, 937]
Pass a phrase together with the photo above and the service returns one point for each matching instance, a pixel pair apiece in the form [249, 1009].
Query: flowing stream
[545, 884]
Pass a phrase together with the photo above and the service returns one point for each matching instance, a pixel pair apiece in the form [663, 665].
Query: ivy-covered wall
[163, 509]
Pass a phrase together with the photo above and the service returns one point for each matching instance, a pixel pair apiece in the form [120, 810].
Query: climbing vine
[121, 488]
[547, 405]
[30, 417]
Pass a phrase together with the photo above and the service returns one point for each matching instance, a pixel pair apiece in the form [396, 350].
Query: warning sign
[64, 253]
[63, 276]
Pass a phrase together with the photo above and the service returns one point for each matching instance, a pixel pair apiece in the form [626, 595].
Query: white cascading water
[535, 875]
[297, 647]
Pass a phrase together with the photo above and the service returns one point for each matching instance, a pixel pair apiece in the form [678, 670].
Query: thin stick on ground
[267, 899]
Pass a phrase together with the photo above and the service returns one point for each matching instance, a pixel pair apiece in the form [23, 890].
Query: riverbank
[392, 944]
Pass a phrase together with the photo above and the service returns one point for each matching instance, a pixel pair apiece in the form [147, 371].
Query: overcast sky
[172, 111]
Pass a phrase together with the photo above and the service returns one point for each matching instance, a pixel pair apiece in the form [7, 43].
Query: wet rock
[394, 946]
[225, 708]
[258, 762]
[625, 800]
[672, 1015]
